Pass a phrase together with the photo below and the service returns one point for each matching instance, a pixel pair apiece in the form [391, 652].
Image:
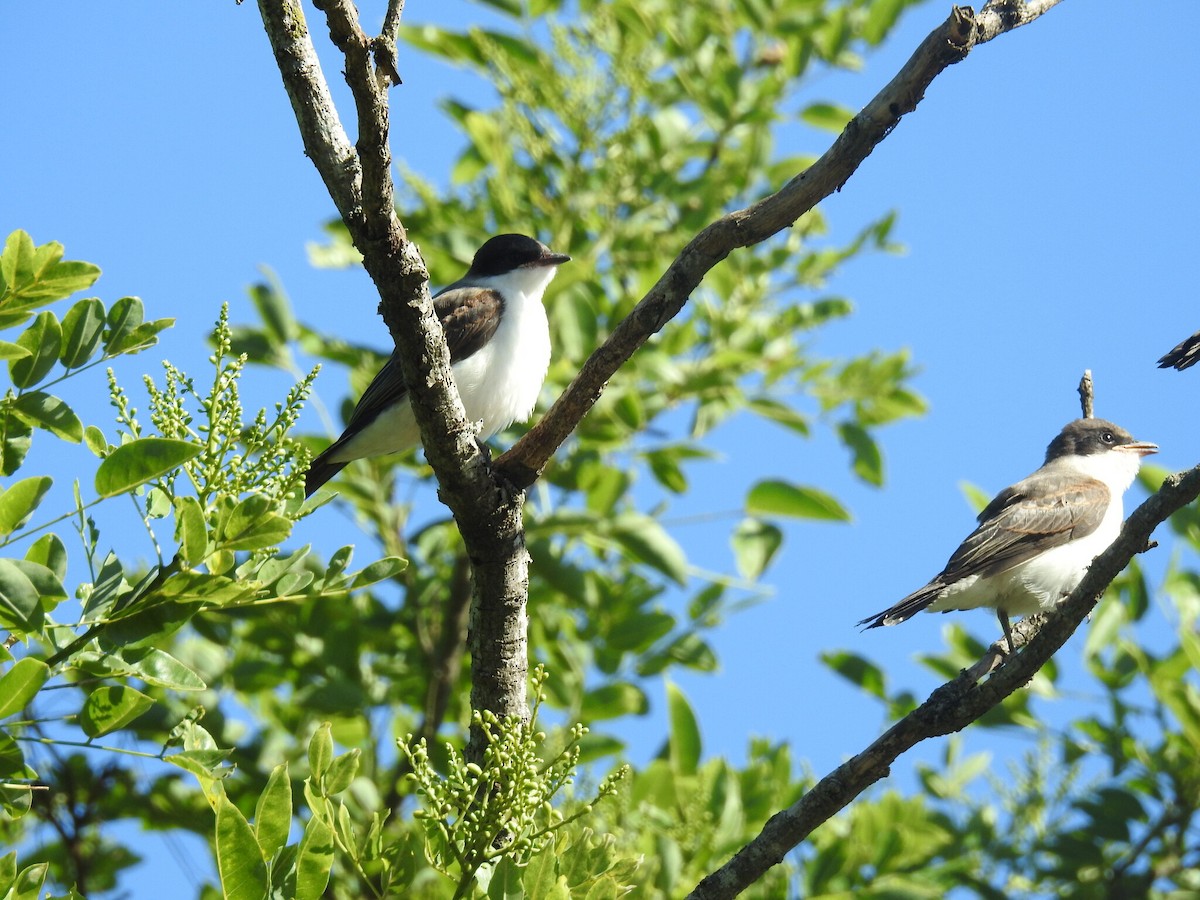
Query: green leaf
[48, 585]
[126, 332]
[240, 862]
[684, 738]
[505, 883]
[123, 317]
[275, 311]
[666, 469]
[611, 701]
[511, 7]
[32, 276]
[755, 544]
[881, 16]
[110, 707]
[206, 765]
[977, 497]
[315, 860]
[868, 461]
[251, 525]
[859, 671]
[782, 498]
[8, 870]
[20, 684]
[320, 751]
[827, 116]
[605, 888]
[380, 570]
[648, 542]
[20, 500]
[273, 812]
[191, 530]
[139, 461]
[341, 772]
[637, 630]
[12, 760]
[42, 339]
[17, 437]
[29, 883]
[41, 410]
[160, 668]
[20, 605]
[541, 880]
[48, 551]
[142, 337]
[9, 350]
[95, 440]
[82, 329]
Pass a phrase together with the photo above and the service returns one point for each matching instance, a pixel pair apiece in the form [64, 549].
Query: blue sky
[1046, 190]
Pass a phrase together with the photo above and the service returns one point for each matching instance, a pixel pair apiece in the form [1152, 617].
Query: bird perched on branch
[1186, 353]
[499, 342]
[1036, 539]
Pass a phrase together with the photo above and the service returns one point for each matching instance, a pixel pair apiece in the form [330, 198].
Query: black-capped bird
[1186, 353]
[499, 342]
[1036, 539]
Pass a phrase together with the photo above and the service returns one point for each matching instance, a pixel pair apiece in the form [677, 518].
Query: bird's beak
[553, 259]
[1141, 448]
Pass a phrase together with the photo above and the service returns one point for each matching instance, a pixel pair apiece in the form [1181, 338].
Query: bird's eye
[1108, 437]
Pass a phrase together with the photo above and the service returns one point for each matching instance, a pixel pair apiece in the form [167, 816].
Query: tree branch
[359, 181]
[947, 44]
[951, 707]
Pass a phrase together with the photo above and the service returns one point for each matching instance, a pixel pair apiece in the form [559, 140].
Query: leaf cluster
[231, 493]
[486, 822]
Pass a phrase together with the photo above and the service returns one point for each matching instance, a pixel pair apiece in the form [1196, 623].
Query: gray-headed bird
[1036, 539]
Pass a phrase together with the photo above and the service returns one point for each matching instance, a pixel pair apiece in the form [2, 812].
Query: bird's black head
[507, 252]
[1089, 437]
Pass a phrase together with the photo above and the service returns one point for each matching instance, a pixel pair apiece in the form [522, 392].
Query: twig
[1087, 397]
[947, 44]
[1169, 816]
[951, 707]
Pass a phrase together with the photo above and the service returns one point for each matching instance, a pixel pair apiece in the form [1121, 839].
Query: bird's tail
[319, 472]
[906, 608]
[1186, 354]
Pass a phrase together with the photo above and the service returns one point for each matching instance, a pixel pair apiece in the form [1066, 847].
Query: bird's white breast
[499, 383]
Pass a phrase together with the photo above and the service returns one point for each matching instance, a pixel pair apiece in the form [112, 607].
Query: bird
[499, 340]
[1186, 353]
[1037, 538]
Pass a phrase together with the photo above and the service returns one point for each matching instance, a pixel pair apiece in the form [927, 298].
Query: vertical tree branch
[359, 181]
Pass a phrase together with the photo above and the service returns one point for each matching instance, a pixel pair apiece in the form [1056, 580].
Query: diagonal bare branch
[951, 707]
[947, 44]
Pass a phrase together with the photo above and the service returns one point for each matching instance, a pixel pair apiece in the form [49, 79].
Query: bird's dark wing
[469, 317]
[1016, 526]
[1186, 354]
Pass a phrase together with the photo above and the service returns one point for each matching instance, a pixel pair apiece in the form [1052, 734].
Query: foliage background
[1049, 176]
